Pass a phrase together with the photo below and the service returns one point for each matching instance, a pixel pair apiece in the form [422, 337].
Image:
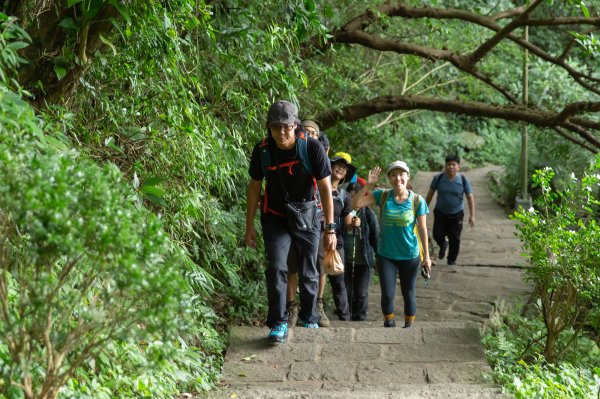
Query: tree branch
[486, 47]
[576, 141]
[510, 113]
[513, 12]
[576, 108]
[570, 45]
[401, 10]
[562, 21]
[459, 61]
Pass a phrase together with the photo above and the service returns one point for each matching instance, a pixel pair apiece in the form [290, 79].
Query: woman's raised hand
[374, 175]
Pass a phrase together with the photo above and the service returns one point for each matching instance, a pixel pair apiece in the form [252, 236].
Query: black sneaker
[451, 263]
[389, 323]
[443, 249]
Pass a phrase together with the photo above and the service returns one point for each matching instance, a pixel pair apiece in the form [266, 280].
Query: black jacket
[369, 229]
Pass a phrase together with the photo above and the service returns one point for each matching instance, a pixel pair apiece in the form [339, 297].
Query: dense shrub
[561, 237]
[513, 348]
[81, 267]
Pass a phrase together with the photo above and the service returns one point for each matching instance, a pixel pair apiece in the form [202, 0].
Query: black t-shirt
[298, 183]
[341, 209]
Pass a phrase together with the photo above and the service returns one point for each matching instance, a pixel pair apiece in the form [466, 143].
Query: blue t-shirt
[450, 193]
[398, 240]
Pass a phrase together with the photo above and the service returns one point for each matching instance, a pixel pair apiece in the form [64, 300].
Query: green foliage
[194, 86]
[544, 150]
[512, 350]
[143, 371]
[81, 265]
[12, 39]
[561, 238]
[177, 98]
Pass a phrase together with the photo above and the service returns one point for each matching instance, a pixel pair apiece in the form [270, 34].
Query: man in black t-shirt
[287, 178]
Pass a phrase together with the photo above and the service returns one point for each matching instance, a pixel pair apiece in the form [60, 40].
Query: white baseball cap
[398, 165]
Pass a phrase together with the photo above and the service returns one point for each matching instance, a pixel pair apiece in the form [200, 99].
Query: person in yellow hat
[344, 155]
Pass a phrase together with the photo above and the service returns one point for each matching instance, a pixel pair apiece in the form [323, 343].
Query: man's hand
[472, 221]
[250, 237]
[329, 241]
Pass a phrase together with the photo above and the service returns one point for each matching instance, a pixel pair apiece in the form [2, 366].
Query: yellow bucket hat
[344, 155]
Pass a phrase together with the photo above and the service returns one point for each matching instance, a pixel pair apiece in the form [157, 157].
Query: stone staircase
[440, 357]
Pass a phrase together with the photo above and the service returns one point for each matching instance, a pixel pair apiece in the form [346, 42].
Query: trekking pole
[354, 234]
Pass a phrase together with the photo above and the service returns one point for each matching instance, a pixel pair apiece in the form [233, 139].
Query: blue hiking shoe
[278, 333]
[310, 325]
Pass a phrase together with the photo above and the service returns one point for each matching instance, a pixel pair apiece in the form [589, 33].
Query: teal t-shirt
[398, 241]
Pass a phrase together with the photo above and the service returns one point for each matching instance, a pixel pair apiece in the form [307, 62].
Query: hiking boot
[389, 323]
[278, 333]
[324, 322]
[310, 325]
[443, 249]
[293, 310]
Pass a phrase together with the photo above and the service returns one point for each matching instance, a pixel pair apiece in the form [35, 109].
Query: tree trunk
[55, 46]
[550, 345]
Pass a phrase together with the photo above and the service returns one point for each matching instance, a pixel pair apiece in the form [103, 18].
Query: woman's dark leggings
[408, 271]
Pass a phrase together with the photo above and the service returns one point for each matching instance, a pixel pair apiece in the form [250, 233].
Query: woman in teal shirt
[398, 249]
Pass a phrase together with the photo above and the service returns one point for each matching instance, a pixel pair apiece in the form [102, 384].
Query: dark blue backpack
[301, 152]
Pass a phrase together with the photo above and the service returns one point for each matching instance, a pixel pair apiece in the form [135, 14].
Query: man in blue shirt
[449, 207]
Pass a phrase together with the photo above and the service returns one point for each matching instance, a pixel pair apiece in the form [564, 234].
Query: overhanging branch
[542, 119]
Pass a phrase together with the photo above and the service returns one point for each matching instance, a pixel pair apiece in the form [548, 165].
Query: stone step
[427, 354]
[365, 391]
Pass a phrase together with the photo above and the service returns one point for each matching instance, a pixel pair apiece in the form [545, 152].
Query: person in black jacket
[290, 184]
[360, 247]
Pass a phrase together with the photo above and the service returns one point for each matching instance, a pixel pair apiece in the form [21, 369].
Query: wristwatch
[330, 226]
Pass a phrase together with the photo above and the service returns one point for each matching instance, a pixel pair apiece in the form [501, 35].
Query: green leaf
[152, 181]
[22, 33]
[93, 8]
[155, 199]
[71, 3]
[60, 71]
[152, 190]
[584, 10]
[55, 143]
[40, 85]
[69, 23]
[17, 45]
[121, 9]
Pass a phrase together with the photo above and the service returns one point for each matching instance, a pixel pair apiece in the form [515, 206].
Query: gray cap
[313, 124]
[398, 165]
[283, 112]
